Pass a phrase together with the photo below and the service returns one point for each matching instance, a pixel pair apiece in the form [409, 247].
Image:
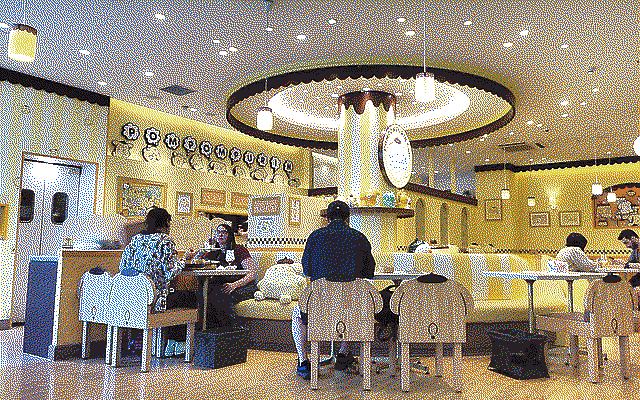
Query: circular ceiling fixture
[306, 112]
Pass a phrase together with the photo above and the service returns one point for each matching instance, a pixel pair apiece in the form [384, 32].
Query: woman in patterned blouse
[153, 253]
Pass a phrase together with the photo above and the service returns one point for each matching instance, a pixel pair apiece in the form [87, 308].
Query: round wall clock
[395, 156]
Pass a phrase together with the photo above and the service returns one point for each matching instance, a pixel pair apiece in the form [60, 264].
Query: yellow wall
[572, 189]
[76, 128]
[189, 180]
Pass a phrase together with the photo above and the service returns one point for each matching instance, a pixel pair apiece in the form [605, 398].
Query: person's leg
[299, 333]
[179, 299]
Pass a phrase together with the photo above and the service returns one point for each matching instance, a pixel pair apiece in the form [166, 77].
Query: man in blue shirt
[338, 253]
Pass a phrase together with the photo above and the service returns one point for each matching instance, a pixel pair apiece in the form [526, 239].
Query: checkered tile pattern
[267, 242]
[612, 252]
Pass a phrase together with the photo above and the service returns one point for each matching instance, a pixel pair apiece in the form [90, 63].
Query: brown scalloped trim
[558, 165]
[368, 71]
[26, 28]
[358, 100]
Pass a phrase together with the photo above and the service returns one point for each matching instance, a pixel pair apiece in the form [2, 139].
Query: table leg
[570, 296]
[205, 301]
[532, 315]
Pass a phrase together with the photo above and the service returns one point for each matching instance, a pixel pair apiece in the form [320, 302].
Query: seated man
[339, 253]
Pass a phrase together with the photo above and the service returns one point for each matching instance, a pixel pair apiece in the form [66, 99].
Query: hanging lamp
[611, 196]
[505, 194]
[425, 89]
[22, 40]
[264, 117]
[531, 200]
[596, 187]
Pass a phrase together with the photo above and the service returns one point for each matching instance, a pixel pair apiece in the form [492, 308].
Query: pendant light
[531, 200]
[611, 196]
[505, 194]
[264, 118]
[596, 187]
[22, 40]
[425, 90]
[636, 146]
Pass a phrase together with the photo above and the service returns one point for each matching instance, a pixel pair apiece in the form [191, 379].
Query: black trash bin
[221, 346]
[518, 354]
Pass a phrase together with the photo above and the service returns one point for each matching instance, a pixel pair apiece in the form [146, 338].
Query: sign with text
[212, 197]
[239, 200]
[265, 206]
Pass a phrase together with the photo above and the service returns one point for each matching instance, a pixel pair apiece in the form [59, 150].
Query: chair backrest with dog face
[131, 300]
[611, 306]
[93, 293]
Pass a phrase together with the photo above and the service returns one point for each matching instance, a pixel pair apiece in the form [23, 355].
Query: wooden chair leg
[393, 357]
[573, 351]
[366, 365]
[188, 354]
[439, 356]
[116, 344]
[599, 349]
[457, 367]
[405, 368]
[314, 365]
[85, 339]
[592, 354]
[146, 350]
[107, 353]
[623, 342]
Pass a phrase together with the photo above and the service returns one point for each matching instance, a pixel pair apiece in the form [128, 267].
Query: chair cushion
[265, 309]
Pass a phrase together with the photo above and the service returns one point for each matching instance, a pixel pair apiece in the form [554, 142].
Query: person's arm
[306, 257]
[582, 263]
[243, 256]
[172, 266]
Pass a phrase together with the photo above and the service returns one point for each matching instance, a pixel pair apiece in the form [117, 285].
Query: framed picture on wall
[212, 197]
[538, 219]
[493, 210]
[569, 218]
[184, 203]
[134, 197]
[294, 211]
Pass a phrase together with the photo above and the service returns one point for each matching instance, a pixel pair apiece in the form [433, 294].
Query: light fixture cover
[425, 89]
[264, 119]
[611, 197]
[531, 201]
[596, 189]
[22, 43]
[636, 145]
[505, 194]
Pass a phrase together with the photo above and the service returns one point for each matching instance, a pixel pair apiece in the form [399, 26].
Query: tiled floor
[269, 375]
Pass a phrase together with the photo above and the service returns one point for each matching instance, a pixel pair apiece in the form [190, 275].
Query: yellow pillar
[431, 169]
[452, 174]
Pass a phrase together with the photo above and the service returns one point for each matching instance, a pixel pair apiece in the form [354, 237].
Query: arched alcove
[420, 220]
[444, 224]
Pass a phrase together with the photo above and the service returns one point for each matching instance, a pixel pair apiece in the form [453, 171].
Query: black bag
[388, 321]
[518, 354]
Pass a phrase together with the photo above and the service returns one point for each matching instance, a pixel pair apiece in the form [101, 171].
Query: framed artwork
[538, 219]
[262, 206]
[493, 210]
[212, 197]
[569, 218]
[239, 200]
[184, 203]
[294, 211]
[624, 212]
[135, 196]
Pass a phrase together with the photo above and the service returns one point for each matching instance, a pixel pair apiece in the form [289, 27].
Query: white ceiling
[125, 39]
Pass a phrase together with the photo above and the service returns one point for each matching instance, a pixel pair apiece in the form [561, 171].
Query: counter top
[48, 258]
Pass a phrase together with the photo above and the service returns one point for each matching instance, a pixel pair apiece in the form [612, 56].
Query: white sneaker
[170, 350]
[180, 348]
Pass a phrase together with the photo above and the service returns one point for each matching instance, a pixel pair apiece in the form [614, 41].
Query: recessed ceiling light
[511, 133]
[401, 19]
[451, 144]
[102, 83]
[531, 160]
[436, 172]
[410, 33]
[366, 89]
[317, 97]
[379, 84]
[468, 151]
[529, 122]
[223, 52]
[268, 29]
[524, 32]
[414, 102]
[148, 73]
[84, 52]
[193, 109]
[335, 95]
[233, 49]
[608, 152]
[424, 108]
[564, 103]
[326, 107]
[564, 46]
[301, 37]
[331, 21]
[584, 103]
[486, 160]
[339, 87]
[565, 115]
[595, 90]
[216, 41]
[467, 23]
[539, 125]
[159, 16]
[398, 93]
[507, 44]
[482, 139]
[4, 25]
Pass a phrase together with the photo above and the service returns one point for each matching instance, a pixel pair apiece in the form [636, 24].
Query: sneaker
[343, 361]
[304, 370]
[181, 347]
[170, 350]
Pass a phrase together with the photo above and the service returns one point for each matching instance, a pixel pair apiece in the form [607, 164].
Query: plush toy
[283, 282]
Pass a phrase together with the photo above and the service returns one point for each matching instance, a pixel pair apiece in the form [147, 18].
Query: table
[626, 273]
[531, 276]
[205, 275]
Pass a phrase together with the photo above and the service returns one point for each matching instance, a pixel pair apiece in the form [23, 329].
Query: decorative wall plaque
[239, 200]
[261, 206]
[294, 211]
[538, 219]
[184, 203]
[621, 213]
[212, 197]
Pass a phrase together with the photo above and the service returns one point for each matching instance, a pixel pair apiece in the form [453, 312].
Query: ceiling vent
[520, 146]
[177, 90]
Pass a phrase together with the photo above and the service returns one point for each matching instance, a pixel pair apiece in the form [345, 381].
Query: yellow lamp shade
[22, 43]
[531, 201]
[264, 119]
[425, 90]
[505, 194]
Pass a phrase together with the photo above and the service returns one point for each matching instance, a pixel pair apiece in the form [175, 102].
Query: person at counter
[153, 253]
[630, 239]
[226, 252]
[574, 255]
